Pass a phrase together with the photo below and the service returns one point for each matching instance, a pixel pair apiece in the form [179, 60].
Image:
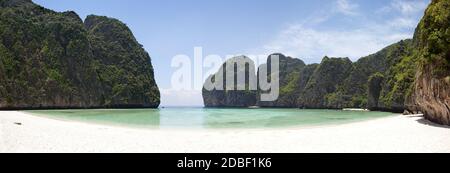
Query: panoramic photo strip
[224, 76]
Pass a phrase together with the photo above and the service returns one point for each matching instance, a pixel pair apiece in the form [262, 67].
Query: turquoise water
[203, 118]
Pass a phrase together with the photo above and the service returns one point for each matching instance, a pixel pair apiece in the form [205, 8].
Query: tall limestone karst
[323, 82]
[381, 81]
[125, 70]
[54, 60]
[431, 90]
[411, 74]
[391, 67]
[229, 92]
[290, 81]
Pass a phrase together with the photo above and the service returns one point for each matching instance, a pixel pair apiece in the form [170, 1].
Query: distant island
[411, 76]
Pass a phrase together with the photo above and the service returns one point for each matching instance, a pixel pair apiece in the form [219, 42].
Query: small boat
[253, 107]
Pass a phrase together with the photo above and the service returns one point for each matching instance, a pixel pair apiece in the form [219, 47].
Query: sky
[304, 29]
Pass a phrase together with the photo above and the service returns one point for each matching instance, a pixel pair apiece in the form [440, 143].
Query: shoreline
[396, 134]
[292, 127]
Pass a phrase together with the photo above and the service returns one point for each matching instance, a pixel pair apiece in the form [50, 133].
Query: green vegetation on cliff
[432, 37]
[352, 92]
[52, 60]
[411, 74]
[381, 81]
[290, 81]
[230, 93]
[431, 91]
[124, 67]
[338, 83]
[398, 80]
[319, 91]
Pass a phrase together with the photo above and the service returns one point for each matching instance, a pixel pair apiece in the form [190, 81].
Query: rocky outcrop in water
[54, 60]
[232, 93]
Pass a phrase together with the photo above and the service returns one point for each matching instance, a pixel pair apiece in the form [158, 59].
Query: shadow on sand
[424, 121]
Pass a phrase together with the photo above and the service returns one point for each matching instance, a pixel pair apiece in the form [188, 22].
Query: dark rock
[406, 112]
[229, 95]
[374, 91]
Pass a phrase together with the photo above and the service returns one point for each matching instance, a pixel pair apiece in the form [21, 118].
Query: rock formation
[125, 71]
[338, 83]
[324, 82]
[232, 93]
[54, 60]
[431, 89]
[411, 74]
[291, 81]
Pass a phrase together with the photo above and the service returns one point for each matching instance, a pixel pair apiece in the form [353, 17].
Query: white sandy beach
[391, 134]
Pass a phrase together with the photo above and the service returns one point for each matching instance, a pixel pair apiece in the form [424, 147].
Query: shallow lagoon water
[204, 118]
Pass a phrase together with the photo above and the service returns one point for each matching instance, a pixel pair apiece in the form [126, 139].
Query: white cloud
[404, 7]
[311, 44]
[409, 7]
[345, 7]
[407, 12]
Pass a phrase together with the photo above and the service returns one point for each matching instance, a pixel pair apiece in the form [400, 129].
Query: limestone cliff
[324, 82]
[125, 70]
[431, 90]
[54, 60]
[232, 93]
[395, 75]
[291, 81]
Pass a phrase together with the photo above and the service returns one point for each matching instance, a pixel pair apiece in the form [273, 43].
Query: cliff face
[353, 91]
[431, 92]
[232, 94]
[432, 95]
[339, 83]
[52, 60]
[324, 81]
[291, 81]
[387, 78]
[124, 67]
[411, 74]
[380, 81]
[374, 90]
